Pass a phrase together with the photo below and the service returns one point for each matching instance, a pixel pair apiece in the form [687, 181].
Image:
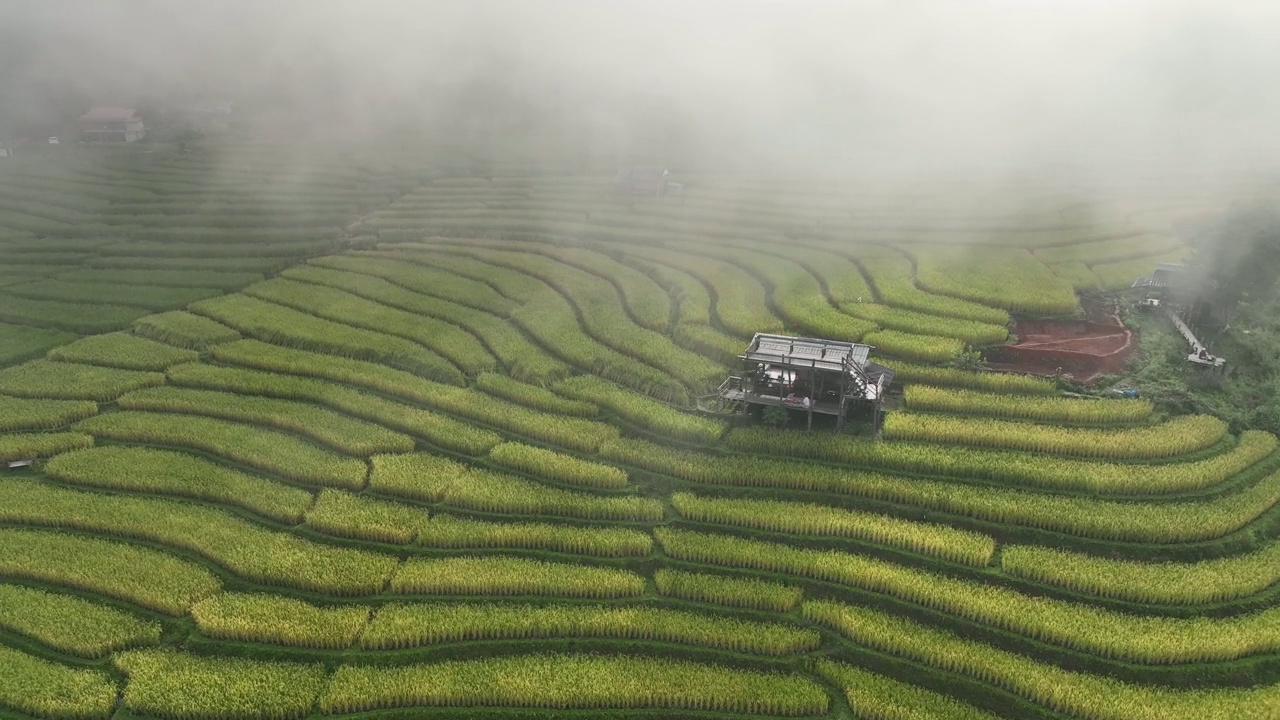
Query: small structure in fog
[644, 180]
[111, 124]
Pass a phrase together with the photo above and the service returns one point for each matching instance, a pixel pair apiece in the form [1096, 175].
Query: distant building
[643, 180]
[111, 124]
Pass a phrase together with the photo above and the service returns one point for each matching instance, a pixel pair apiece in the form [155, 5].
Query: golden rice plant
[165, 472]
[502, 575]
[254, 446]
[339, 432]
[171, 684]
[41, 688]
[730, 591]
[340, 513]
[557, 467]
[1171, 583]
[1091, 411]
[38, 414]
[992, 382]
[552, 682]
[70, 624]
[1165, 522]
[404, 626]
[969, 332]
[1020, 467]
[1178, 436]
[878, 696]
[941, 541]
[278, 620]
[1111, 634]
[244, 548]
[910, 346]
[425, 477]
[1093, 697]
[647, 413]
[146, 577]
[445, 531]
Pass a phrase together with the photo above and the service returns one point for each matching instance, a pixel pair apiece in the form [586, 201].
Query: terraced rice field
[375, 438]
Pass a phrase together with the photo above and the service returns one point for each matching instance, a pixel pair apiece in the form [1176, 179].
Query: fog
[993, 89]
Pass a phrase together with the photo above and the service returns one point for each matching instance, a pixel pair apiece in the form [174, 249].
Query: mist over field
[995, 89]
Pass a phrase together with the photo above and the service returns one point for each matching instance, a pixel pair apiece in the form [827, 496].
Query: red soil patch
[1083, 349]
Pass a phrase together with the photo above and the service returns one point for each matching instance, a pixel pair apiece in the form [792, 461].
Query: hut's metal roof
[806, 352]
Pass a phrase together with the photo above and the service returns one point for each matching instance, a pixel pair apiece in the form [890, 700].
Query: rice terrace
[466, 367]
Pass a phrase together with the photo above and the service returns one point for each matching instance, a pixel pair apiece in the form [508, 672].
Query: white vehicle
[53, 141]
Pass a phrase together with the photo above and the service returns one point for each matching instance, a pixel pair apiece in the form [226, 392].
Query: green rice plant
[909, 346]
[150, 470]
[1041, 409]
[422, 279]
[339, 432]
[184, 330]
[346, 515]
[225, 281]
[26, 446]
[1004, 383]
[548, 317]
[1036, 470]
[1111, 634]
[38, 414]
[532, 396]
[445, 531]
[277, 620]
[730, 591]
[893, 280]
[741, 302]
[149, 578]
[1008, 278]
[1109, 250]
[969, 332]
[573, 681]
[941, 541]
[1093, 697]
[49, 690]
[1179, 436]
[434, 427]
[841, 278]
[70, 624]
[151, 297]
[1165, 522]
[246, 549]
[447, 340]
[708, 341]
[279, 324]
[575, 433]
[605, 319]
[122, 350]
[247, 444]
[83, 318]
[877, 697]
[238, 264]
[1120, 275]
[176, 685]
[557, 467]
[690, 298]
[19, 343]
[502, 575]
[425, 477]
[517, 354]
[1078, 274]
[404, 626]
[1168, 583]
[73, 381]
[645, 412]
